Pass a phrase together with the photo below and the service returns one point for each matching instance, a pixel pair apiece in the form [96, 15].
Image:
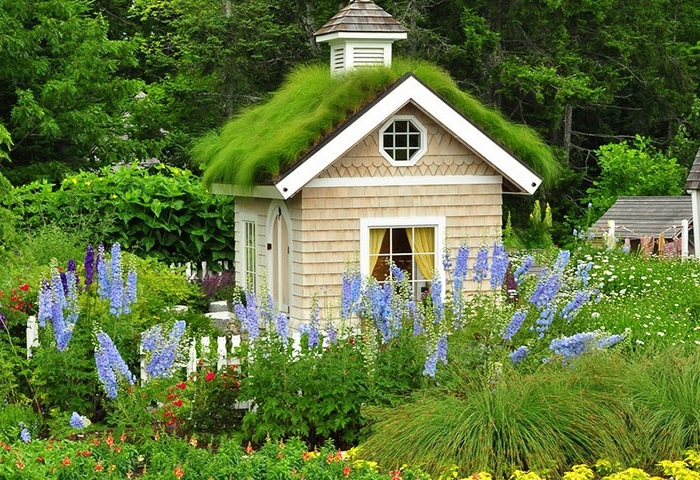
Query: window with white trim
[250, 252]
[411, 247]
[403, 140]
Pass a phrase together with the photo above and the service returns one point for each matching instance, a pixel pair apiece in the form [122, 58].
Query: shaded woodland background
[90, 83]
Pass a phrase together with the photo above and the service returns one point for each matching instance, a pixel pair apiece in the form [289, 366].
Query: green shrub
[166, 214]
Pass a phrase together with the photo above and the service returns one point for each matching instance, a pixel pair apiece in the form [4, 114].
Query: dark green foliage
[311, 103]
[318, 394]
[165, 214]
[630, 170]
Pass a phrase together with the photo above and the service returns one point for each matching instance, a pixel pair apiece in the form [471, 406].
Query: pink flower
[209, 376]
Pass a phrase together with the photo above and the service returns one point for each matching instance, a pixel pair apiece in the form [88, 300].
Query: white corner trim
[410, 90]
[404, 181]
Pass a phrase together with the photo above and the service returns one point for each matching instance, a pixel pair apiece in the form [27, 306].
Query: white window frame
[423, 141]
[250, 252]
[438, 223]
[246, 219]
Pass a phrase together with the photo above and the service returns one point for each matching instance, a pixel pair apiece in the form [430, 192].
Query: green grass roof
[265, 140]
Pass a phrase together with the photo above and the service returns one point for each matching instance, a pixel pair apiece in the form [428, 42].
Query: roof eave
[360, 36]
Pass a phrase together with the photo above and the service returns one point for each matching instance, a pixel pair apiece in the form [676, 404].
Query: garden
[578, 362]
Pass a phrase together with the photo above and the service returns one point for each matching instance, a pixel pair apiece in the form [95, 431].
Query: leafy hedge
[164, 213]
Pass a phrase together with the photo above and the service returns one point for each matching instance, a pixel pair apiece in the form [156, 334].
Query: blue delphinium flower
[396, 273]
[430, 366]
[514, 325]
[583, 273]
[130, 296]
[446, 260]
[89, 266]
[350, 293]
[110, 365]
[610, 340]
[499, 265]
[519, 354]
[252, 316]
[441, 348]
[45, 302]
[103, 287]
[164, 351]
[481, 264]
[116, 285]
[544, 320]
[377, 306]
[415, 316]
[282, 327]
[267, 310]
[24, 434]
[151, 337]
[248, 315]
[331, 334]
[572, 346]
[571, 309]
[459, 276]
[522, 270]
[436, 299]
[78, 421]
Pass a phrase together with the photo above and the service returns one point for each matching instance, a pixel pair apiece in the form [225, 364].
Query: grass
[311, 104]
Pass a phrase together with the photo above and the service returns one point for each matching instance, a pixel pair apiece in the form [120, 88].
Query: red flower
[99, 467]
[346, 471]
[66, 461]
[179, 471]
[177, 403]
[396, 474]
[249, 449]
[24, 287]
[209, 376]
[181, 385]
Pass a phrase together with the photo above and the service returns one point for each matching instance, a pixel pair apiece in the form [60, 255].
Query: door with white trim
[278, 256]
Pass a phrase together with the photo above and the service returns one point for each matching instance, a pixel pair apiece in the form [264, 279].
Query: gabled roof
[360, 16]
[693, 181]
[313, 117]
[636, 217]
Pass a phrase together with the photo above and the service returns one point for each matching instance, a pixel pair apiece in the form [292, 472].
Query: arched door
[279, 259]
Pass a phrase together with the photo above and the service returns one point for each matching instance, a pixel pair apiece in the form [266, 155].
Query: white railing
[197, 271]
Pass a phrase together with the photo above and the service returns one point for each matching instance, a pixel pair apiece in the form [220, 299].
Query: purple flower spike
[89, 266]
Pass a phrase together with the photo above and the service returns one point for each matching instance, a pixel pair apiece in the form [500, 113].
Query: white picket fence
[197, 271]
[199, 353]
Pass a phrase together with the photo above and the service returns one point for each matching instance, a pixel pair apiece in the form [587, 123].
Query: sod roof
[264, 141]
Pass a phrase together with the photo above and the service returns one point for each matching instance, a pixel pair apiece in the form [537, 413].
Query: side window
[250, 252]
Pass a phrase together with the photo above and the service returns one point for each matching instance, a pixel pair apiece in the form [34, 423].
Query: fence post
[32, 335]
[684, 239]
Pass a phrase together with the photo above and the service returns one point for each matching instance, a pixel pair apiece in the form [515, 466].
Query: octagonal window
[402, 140]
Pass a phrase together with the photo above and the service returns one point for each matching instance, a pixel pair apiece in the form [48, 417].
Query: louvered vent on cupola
[360, 35]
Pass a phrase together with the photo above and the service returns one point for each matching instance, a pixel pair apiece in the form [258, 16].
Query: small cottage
[364, 163]
[658, 225]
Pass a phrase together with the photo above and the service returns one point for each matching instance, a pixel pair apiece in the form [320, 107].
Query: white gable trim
[410, 90]
[404, 181]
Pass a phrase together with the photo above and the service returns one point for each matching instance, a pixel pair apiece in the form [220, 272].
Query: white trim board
[404, 181]
[411, 90]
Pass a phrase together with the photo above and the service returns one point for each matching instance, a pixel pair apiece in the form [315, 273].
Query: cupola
[360, 34]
